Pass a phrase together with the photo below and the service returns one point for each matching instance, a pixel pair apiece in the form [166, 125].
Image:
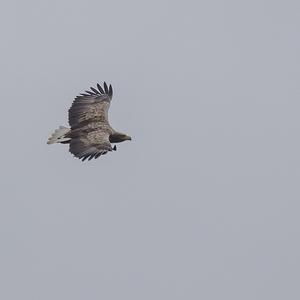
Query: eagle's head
[118, 137]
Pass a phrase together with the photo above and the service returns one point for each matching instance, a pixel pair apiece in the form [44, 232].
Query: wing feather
[100, 88]
[110, 91]
[105, 88]
[89, 92]
[94, 90]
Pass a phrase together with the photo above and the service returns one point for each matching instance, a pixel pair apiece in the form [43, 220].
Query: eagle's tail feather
[58, 136]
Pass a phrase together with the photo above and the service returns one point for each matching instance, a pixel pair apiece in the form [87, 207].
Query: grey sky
[204, 202]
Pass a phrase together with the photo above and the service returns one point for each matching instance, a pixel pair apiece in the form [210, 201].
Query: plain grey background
[204, 202]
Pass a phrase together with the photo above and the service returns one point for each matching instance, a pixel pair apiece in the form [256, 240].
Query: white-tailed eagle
[90, 134]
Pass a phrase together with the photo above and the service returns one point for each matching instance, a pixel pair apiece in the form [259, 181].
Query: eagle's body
[90, 134]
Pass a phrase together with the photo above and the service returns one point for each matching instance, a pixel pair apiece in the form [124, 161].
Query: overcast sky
[203, 203]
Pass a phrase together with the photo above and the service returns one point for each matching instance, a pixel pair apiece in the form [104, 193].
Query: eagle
[90, 134]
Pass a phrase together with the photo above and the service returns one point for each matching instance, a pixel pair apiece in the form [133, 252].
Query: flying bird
[90, 134]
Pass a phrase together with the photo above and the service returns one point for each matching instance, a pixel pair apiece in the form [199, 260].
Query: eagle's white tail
[58, 136]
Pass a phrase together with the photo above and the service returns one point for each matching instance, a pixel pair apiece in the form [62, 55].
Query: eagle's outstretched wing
[91, 106]
[88, 118]
[91, 145]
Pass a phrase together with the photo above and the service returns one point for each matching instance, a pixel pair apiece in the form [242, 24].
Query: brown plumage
[90, 135]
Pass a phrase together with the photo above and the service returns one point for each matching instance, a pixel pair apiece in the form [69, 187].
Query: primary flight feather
[90, 134]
